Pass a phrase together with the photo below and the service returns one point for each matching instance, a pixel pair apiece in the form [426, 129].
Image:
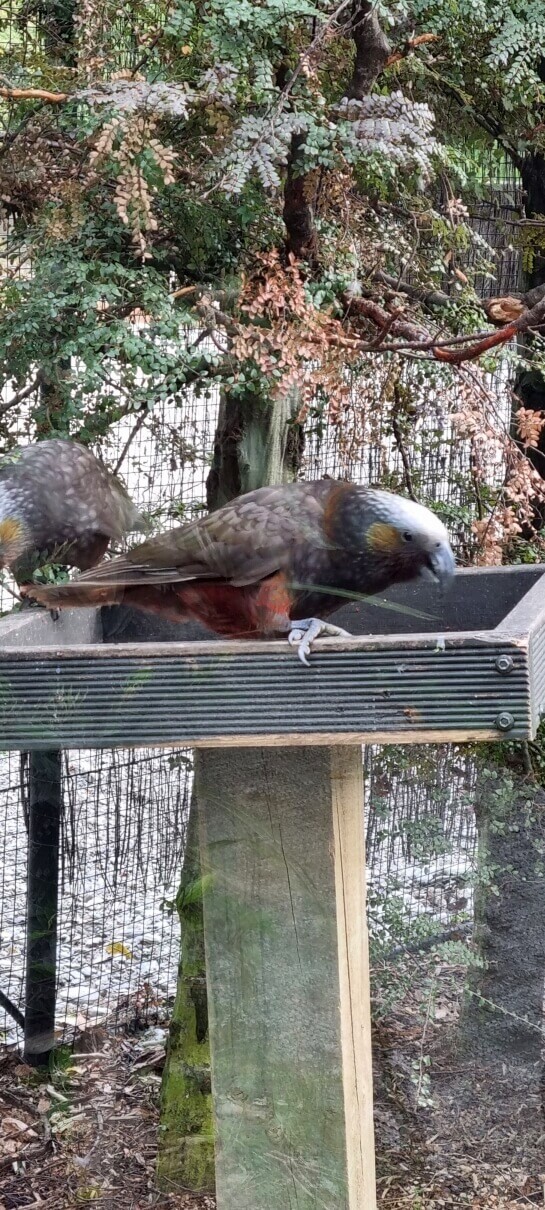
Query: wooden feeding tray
[417, 670]
[281, 839]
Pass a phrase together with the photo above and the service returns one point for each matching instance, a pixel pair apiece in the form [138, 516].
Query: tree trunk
[254, 444]
[186, 1147]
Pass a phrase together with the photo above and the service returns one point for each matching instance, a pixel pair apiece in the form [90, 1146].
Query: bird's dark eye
[407, 536]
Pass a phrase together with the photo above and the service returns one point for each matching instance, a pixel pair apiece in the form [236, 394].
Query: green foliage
[168, 166]
[75, 311]
[490, 60]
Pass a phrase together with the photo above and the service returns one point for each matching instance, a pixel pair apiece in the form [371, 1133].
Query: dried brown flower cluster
[311, 354]
[298, 346]
[123, 140]
[521, 490]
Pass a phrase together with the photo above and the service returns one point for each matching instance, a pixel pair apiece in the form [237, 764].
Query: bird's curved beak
[441, 566]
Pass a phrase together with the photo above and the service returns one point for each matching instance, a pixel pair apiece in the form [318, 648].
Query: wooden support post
[45, 800]
[282, 852]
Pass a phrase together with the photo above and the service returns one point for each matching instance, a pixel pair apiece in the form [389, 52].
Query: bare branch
[397, 55]
[430, 298]
[135, 429]
[398, 436]
[366, 307]
[21, 395]
[34, 94]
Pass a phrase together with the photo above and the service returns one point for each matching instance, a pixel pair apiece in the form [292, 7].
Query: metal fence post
[45, 801]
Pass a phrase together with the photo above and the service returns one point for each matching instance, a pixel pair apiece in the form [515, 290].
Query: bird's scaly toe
[304, 632]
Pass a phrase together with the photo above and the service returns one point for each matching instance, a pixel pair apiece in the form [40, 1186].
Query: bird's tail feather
[73, 595]
[123, 571]
[112, 571]
[80, 596]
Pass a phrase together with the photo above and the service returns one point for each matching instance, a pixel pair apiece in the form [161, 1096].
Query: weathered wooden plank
[284, 905]
[190, 649]
[324, 739]
[36, 629]
[73, 701]
[354, 983]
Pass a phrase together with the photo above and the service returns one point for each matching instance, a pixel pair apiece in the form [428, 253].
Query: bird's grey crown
[400, 511]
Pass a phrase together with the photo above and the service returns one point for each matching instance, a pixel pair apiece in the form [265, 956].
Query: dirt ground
[452, 1132]
[86, 1134]
[448, 1137]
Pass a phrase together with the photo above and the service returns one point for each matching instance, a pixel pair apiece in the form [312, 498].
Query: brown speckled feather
[243, 542]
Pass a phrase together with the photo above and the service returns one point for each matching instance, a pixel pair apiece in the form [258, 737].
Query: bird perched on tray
[265, 563]
[59, 504]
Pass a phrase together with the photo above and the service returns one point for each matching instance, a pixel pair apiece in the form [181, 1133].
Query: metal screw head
[504, 721]
[504, 664]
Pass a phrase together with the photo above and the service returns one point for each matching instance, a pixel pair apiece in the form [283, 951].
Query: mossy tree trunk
[186, 1147]
[255, 444]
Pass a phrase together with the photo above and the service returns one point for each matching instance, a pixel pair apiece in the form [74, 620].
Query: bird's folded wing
[243, 542]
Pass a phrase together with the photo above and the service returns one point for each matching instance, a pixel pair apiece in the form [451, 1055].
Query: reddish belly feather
[251, 611]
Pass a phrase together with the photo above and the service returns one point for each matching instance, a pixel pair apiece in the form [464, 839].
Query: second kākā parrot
[59, 504]
[266, 563]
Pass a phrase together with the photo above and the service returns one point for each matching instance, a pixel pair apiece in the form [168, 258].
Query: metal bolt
[504, 721]
[504, 664]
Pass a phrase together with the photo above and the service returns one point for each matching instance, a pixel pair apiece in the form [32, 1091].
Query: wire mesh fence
[125, 812]
[432, 863]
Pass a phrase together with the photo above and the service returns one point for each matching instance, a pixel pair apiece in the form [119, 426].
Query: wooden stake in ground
[282, 855]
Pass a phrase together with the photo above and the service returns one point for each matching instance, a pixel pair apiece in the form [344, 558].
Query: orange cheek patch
[9, 531]
[383, 537]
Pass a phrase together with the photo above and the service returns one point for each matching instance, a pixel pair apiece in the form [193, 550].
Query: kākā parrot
[265, 563]
[57, 502]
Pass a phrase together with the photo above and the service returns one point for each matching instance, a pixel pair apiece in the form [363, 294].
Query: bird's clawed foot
[29, 601]
[303, 633]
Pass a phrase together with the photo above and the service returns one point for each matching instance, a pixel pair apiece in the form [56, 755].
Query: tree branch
[372, 49]
[509, 307]
[471, 352]
[301, 238]
[398, 436]
[34, 94]
[401, 327]
[531, 318]
[429, 298]
[397, 55]
[417, 340]
[21, 395]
